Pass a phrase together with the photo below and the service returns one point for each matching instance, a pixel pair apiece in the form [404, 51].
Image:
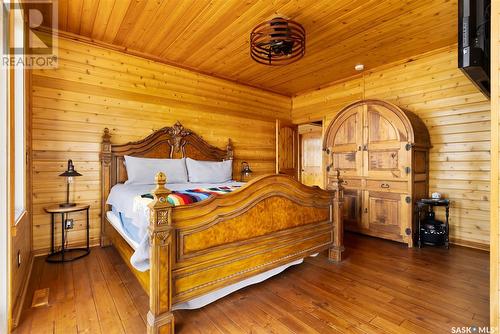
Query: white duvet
[125, 199]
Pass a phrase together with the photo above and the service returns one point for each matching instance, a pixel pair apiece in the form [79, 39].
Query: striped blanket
[190, 196]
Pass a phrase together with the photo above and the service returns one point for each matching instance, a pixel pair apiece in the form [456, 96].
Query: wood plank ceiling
[212, 36]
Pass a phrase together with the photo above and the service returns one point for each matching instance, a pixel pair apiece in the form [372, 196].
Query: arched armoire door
[382, 159]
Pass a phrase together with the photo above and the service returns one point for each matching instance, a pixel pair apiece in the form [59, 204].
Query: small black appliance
[433, 231]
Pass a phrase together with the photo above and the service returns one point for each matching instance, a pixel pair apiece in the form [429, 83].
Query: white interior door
[311, 155]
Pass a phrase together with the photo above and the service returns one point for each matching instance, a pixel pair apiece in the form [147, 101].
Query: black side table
[70, 254]
[431, 203]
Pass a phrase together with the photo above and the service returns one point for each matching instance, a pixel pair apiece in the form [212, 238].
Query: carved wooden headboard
[168, 142]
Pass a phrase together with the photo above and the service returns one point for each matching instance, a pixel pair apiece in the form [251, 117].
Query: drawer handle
[385, 185]
[344, 183]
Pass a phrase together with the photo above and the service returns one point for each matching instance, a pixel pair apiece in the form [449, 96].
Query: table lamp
[69, 174]
[245, 171]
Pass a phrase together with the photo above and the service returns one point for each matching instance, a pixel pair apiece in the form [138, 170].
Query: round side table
[66, 254]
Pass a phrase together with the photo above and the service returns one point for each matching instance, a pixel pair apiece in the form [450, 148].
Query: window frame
[20, 122]
[6, 208]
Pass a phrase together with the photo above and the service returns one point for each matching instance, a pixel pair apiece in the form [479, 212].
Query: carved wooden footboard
[200, 248]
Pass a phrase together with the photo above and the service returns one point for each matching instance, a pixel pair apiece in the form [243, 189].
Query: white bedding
[115, 220]
[125, 201]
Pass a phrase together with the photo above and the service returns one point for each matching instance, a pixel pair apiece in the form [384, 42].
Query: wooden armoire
[382, 154]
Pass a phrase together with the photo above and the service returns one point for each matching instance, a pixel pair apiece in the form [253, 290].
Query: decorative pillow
[144, 170]
[209, 171]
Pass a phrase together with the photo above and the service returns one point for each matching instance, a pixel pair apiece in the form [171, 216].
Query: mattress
[118, 223]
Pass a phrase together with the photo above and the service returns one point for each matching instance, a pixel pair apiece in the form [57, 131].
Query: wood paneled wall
[20, 242]
[95, 88]
[495, 163]
[457, 116]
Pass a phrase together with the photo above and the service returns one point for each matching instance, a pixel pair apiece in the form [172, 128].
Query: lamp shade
[70, 172]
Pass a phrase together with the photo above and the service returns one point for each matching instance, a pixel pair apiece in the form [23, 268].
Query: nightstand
[70, 254]
[430, 230]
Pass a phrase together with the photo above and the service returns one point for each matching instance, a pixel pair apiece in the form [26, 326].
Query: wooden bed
[199, 248]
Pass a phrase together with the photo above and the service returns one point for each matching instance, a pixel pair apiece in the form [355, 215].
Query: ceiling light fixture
[279, 41]
[359, 67]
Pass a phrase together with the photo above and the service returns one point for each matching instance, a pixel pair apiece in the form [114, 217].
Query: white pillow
[144, 170]
[209, 171]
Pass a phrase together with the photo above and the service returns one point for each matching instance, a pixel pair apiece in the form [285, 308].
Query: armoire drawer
[391, 186]
[351, 183]
[347, 183]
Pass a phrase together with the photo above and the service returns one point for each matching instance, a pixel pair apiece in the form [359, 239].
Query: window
[19, 122]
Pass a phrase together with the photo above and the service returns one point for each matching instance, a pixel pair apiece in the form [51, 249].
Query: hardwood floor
[381, 287]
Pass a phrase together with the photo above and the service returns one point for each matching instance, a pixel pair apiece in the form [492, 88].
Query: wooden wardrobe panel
[352, 209]
[346, 137]
[383, 217]
[387, 155]
[385, 138]
[381, 129]
[287, 148]
[347, 133]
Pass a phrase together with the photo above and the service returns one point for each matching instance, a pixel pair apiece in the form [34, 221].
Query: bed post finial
[105, 157]
[335, 252]
[160, 181]
[229, 150]
[106, 147]
[160, 318]
[106, 137]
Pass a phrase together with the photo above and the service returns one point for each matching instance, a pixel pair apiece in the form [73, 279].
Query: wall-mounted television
[474, 41]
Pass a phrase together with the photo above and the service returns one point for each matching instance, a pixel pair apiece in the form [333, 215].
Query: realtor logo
[32, 43]
[473, 330]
